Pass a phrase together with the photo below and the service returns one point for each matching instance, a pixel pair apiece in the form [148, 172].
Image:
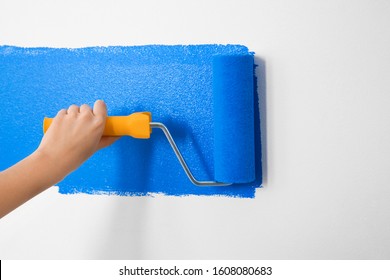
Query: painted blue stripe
[172, 82]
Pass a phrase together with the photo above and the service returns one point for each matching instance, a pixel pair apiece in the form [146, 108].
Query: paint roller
[233, 99]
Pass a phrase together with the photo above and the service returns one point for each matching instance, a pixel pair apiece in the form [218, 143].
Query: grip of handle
[136, 125]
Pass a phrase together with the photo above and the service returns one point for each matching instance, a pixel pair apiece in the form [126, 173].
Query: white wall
[327, 191]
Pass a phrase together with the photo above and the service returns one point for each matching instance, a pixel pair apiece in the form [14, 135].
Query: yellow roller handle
[136, 125]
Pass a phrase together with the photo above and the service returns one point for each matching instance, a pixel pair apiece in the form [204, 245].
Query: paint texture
[218, 134]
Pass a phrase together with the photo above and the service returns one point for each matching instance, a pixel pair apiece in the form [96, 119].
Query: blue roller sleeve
[234, 144]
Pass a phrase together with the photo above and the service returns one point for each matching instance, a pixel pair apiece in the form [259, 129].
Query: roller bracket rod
[183, 162]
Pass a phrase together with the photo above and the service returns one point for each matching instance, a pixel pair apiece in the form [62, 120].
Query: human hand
[74, 135]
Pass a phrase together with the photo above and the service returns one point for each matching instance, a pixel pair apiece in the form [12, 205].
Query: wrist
[48, 167]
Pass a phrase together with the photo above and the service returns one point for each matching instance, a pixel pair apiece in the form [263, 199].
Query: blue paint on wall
[175, 83]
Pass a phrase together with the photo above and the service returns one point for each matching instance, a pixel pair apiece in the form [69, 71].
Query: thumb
[106, 141]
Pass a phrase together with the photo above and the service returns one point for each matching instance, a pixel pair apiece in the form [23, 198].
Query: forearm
[26, 179]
